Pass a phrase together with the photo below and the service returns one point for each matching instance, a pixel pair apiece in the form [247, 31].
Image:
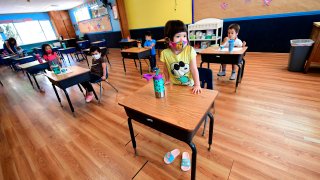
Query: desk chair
[206, 78]
[99, 82]
[68, 51]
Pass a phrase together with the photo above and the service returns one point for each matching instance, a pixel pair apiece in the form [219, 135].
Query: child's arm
[166, 73]
[58, 58]
[244, 44]
[8, 46]
[225, 40]
[104, 68]
[195, 74]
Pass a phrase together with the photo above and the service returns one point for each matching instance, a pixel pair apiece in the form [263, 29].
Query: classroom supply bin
[299, 52]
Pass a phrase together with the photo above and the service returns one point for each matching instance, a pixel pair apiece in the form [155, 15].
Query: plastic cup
[231, 45]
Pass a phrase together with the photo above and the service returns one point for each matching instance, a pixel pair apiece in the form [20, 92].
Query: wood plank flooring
[269, 129]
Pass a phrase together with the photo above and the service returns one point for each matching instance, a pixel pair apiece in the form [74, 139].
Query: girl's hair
[12, 40]
[173, 27]
[44, 48]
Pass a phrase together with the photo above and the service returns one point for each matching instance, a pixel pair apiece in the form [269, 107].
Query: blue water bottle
[231, 45]
[158, 84]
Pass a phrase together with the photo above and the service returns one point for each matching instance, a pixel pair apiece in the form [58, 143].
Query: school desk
[71, 42]
[179, 114]
[125, 43]
[215, 55]
[135, 53]
[33, 68]
[64, 81]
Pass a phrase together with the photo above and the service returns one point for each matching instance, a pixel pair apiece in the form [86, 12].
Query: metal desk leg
[210, 129]
[55, 90]
[133, 140]
[108, 60]
[124, 65]
[30, 80]
[69, 101]
[194, 160]
[35, 80]
[87, 60]
[140, 67]
[201, 64]
[134, 60]
[81, 90]
[242, 69]
[94, 92]
[238, 77]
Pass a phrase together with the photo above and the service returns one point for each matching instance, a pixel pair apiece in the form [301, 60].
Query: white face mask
[96, 56]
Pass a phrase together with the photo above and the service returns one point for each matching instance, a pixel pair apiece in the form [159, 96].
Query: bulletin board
[242, 8]
[99, 24]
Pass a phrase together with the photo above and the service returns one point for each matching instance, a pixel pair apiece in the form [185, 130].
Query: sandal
[185, 162]
[170, 156]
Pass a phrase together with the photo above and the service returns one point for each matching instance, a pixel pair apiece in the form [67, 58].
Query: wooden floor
[269, 129]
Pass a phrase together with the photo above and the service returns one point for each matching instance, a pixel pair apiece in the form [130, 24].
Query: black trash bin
[299, 52]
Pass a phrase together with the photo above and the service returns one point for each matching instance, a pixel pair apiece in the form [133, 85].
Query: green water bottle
[55, 68]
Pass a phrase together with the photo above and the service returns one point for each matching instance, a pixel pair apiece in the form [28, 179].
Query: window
[82, 14]
[48, 30]
[28, 32]
[10, 31]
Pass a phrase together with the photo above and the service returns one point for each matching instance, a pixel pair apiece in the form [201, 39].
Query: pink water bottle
[39, 58]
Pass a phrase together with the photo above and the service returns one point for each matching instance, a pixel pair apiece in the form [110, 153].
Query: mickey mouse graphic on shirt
[180, 71]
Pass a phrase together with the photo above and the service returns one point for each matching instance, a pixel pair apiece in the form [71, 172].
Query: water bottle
[231, 45]
[55, 68]
[64, 45]
[158, 84]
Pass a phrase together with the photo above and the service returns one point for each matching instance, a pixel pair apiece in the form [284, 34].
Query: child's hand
[167, 82]
[103, 78]
[196, 89]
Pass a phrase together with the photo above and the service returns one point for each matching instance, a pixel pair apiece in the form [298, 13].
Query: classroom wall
[33, 16]
[146, 13]
[114, 22]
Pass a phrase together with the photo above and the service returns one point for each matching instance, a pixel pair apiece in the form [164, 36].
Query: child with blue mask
[150, 44]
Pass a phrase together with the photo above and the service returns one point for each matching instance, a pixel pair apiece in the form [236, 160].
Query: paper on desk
[234, 49]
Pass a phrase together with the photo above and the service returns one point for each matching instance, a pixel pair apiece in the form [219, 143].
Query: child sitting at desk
[50, 56]
[98, 70]
[150, 44]
[233, 31]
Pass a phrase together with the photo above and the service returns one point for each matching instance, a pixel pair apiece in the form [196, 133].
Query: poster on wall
[99, 24]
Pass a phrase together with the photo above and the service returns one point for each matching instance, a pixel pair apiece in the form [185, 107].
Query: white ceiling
[23, 6]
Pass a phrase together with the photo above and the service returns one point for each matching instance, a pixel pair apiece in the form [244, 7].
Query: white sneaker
[221, 73]
[233, 76]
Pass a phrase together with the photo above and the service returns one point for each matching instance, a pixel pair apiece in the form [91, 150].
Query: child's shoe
[89, 97]
[233, 75]
[221, 73]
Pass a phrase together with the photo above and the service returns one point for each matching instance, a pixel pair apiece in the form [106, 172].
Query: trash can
[299, 52]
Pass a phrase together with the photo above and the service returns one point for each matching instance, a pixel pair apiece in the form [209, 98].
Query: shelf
[205, 39]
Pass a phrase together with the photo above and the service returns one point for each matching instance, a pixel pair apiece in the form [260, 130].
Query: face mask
[49, 51]
[178, 45]
[96, 56]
